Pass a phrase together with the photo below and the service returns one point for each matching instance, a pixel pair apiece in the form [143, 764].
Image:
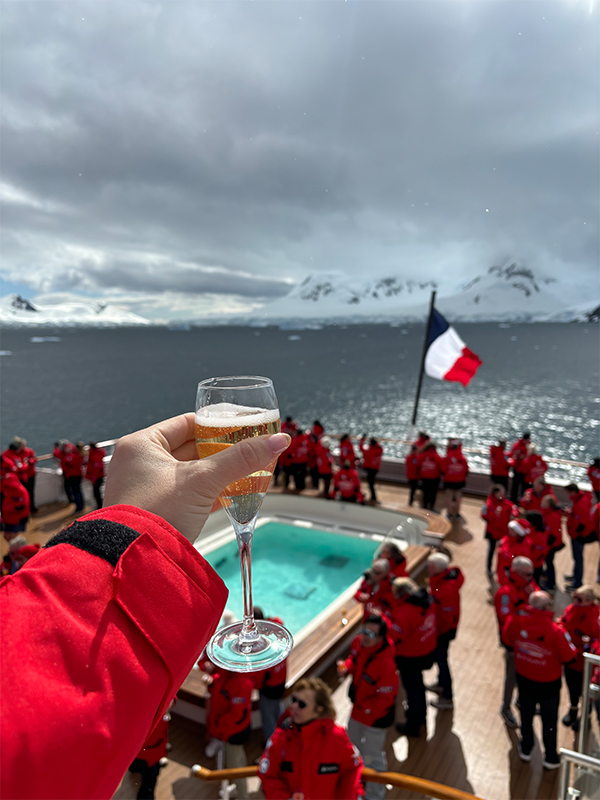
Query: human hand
[341, 667]
[157, 469]
[297, 796]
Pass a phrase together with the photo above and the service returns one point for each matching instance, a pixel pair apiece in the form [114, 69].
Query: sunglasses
[299, 703]
[369, 633]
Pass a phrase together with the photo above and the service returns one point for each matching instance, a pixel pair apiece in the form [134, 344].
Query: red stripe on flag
[464, 367]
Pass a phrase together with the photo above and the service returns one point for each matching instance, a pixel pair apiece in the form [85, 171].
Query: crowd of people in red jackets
[309, 456]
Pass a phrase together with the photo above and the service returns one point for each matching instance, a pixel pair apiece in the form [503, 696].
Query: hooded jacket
[511, 596]
[511, 547]
[445, 590]
[15, 500]
[317, 759]
[498, 461]
[374, 683]
[541, 646]
[578, 516]
[414, 625]
[580, 621]
[497, 513]
[230, 707]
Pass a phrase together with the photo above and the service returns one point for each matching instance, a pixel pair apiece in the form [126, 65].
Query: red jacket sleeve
[274, 786]
[99, 631]
[349, 783]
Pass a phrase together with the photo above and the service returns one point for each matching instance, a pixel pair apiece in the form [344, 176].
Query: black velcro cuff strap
[100, 537]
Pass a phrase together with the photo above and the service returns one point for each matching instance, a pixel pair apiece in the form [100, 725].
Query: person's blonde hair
[403, 586]
[322, 692]
[585, 591]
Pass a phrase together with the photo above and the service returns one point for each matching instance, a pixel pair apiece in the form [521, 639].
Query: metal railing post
[588, 660]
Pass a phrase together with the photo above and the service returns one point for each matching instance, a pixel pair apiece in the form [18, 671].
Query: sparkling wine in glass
[228, 410]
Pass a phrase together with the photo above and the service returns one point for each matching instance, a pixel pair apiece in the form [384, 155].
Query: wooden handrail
[420, 785]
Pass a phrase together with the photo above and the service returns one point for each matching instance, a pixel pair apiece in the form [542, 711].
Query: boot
[570, 717]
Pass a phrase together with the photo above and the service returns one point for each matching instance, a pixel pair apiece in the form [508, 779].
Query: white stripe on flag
[443, 353]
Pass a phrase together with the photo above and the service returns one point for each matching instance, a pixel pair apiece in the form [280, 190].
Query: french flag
[447, 358]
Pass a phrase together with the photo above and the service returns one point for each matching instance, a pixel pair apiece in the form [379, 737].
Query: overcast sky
[179, 158]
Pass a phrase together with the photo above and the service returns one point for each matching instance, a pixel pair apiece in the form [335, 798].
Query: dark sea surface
[100, 384]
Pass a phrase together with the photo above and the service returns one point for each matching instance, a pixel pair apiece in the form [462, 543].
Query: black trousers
[441, 657]
[414, 485]
[490, 553]
[149, 778]
[411, 674]
[30, 486]
[300, 477]
[326, 478]
[430, 490]
[371, 473]
[549, 713]
[500, 480]
[97, 495]
[574, 680]
[518, 486]
[75, 489]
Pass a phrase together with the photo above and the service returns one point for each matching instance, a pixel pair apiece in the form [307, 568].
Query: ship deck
[469, 748]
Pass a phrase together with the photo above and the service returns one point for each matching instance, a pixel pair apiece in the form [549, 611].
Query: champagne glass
[228, 410]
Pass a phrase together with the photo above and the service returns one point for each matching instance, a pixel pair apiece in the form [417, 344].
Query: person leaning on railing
[102, 627]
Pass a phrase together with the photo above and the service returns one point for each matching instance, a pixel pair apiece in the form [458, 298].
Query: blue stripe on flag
[438, 326]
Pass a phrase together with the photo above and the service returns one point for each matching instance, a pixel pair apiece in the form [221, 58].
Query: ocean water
[101, 384]
[313, 568]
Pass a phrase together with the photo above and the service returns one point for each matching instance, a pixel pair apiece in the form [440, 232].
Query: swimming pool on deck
[308, 556]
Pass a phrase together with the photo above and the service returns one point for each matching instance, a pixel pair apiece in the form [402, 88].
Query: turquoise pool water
[296, 571]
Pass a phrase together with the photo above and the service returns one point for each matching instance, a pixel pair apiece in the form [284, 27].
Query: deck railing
[425, 787]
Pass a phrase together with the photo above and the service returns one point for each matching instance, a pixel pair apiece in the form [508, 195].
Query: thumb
[240, 460]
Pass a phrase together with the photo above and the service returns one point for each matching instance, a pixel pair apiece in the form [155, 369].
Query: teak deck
[469, 748]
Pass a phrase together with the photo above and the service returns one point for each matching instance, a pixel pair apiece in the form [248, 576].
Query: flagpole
[422, 370]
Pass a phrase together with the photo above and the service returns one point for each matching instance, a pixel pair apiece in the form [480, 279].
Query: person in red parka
[15, 504]
[346, 483]
[131, 573]
[290, 427]
[152, 757]
[578, 522]
[375, 591]
[538, 539]
[499, 466]
[445, 582]
[25, 554]
[411, 466]
[373, 693]
[580, 620]
[534, 465]
[431, 470]
[94, 470]
[421, 440]
[518, 453]
[497, 512]
[371, 463]
[593, 472]
[396, 559]
[508, 599]
[455, 469]
[532, 499]
[516, 543]
[347, 452]
[29, 460]
[552, 515]
[414, 632]
[325, 463]
[229, 717]
[540, 649]
[271, 686]
[18, 463]
[71, 463]
[309, 757]
[298, 452]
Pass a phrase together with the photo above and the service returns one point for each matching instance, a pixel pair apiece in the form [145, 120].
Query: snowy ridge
[17, 312]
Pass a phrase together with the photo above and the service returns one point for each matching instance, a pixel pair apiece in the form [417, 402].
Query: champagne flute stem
[244, 540]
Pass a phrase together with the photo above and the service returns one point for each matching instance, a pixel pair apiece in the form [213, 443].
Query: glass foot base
[271, 645]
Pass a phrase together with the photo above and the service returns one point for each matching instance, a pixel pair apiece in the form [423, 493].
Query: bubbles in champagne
[226, 415]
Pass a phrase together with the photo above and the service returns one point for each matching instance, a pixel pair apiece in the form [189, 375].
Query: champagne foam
[224, 415]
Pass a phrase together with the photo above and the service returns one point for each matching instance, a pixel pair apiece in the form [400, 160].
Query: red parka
[347, 452]
[155, 746]
[532, 501]
[230, 707]
[534, 466]
[498, 512]
[347, 483]
[512, 596]
[18, 463]
[371, 455]
[540, 645]
[498, 460]
[298, 449]
[580, 621]
[594, 475]
[71, 462]
[414, 625]
[317, 760]
[445, 590]
[518, 453]
[98, 631]
[271, 682]
[374, 683]
[455, 467]
[411, 465]
[430, 464]
[553, 521]
[94, 467]
[15, 500]
[324, 459]
[578, 516]
[380, 595]
[511, 547]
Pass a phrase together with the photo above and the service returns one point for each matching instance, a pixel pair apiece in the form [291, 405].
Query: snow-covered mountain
[17, 312]
[509, 293]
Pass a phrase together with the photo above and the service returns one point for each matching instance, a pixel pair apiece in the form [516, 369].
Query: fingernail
[278, 443]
